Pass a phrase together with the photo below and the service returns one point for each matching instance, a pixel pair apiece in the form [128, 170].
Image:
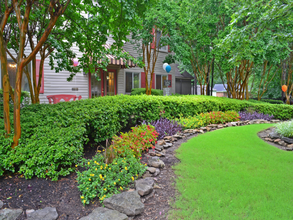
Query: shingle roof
[185, 74]
[220, 87]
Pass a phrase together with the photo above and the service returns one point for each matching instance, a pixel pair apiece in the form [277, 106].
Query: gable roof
[184, 75]
[220, 87]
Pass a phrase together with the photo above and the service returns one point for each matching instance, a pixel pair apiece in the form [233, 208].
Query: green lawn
[232, 174]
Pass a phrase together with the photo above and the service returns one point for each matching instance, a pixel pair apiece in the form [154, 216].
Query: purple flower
[245, 115]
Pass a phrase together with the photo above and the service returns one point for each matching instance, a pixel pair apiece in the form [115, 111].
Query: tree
[153, 33]
[26, 17]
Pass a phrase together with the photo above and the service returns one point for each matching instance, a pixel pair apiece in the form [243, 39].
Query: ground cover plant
[205, 119]
[233, 174]
[285, 129]
[56, 131]
[165, 127]
[102, 180]
[251, 115]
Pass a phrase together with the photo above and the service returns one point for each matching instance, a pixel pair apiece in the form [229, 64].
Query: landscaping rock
[151, 169]
[157, 172]
[287, 140]
[161, 142]
[177, 136]
[282, 143]
[263, 135]
[160, 154]
[105, 214]
[159, 147]
[274, 135]
[152, 152]
[127, 202]
[277, 140]
[156, 162]
[167, 145]
[168, 138]
[48, 213]
[146, 174]
[275, 121]
[29, 211]
[201, 131]
[10, 214]
[1, 204]
[220, 126]
[268, 139]
[234, 123]
[144, 186]
[290, 146]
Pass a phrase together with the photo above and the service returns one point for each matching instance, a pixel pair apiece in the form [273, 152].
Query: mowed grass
[232, 174]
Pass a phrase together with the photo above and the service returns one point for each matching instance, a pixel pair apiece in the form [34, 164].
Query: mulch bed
[35, 193]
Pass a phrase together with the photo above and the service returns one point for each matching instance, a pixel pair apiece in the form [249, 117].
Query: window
[160, 81]
[132, 81]
[11, 68]
[162, 48]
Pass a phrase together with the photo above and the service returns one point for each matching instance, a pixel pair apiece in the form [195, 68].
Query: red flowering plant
[138, 140]
[219, 117]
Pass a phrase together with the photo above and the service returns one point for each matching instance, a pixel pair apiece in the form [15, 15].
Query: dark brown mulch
[17, 192]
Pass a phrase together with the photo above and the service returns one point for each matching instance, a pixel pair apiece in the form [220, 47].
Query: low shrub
[102, 180]
[285, 129]
[165, 127]
[247, 115]
[46, 128]
[142, 91]
[139, 139]
[205, 119]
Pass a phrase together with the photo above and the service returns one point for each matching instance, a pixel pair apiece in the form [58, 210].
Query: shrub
[248, 115]
[205, 119]
[102, 180]
[142, 91]
[48, 128]
[165, 127]
[285, 129]
[140, 139]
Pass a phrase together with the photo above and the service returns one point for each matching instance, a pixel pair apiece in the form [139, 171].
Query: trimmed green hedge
[142, 91]
[53, 135]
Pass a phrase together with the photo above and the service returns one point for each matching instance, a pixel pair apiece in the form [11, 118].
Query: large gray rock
[151, 169]
[288, 140]
[127, 202]
[274, 135]
[10, 214]
[167, 145]
[144, 186]
[1, 204]
[47, 213]
[156, 162]
[105, 214]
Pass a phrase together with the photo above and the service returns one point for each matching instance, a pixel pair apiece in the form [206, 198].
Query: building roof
[118, 62]
[184, 75]
[220, 87]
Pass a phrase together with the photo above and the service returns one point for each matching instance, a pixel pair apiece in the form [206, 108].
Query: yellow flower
[92, 174]
[114, 183]
[106, 164]
[87, 188]
[101, 176]
[83, 201]
[98, 164]
[132, 178]
[105, 189]
[103, 179]
[96, 169]
[88, 163]
[118, 179]
[82, 197]
[110, 168]
[95, 161]
[133, 155]
[90, 179]
[75, 165]
[99, 151]
[121, 188]
[125, 168]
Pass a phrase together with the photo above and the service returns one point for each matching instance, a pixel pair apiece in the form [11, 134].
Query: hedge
[142, 91]
[53, 135]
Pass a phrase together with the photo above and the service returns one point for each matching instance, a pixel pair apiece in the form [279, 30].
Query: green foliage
[53, 135]
[25, 99]
[139, 139]
[285, 129]
[205, 119]
[102, 180]
[271, 101]
[142, 91]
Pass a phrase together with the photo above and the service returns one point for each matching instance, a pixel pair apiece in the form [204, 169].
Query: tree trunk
[195, 84]
[213, 69]
[5, 85]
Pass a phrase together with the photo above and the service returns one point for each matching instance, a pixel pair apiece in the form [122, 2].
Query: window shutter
[153, 44]
[142, 79]
[37, 76]
[169, 49]
[154, 81]
[170, 78]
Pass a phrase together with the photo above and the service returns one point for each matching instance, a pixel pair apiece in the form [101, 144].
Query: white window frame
[132, 73]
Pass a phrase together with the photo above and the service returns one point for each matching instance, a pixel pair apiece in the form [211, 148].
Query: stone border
[127, 205]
